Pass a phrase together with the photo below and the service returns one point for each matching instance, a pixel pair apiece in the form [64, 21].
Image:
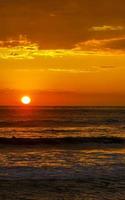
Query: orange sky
[62, 52]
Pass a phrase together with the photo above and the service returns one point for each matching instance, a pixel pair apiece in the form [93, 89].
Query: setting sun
[26, 100]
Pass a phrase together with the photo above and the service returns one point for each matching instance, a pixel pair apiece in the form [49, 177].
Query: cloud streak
[106, 28]
[112, 45]
[72, 71]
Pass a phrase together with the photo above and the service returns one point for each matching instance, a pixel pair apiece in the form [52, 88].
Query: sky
[62, 52]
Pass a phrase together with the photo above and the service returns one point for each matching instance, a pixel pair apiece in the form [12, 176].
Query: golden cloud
[106, 28]
[110, 46]
[23, 48]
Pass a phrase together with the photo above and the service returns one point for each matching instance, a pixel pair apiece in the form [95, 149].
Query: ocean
[55, 153]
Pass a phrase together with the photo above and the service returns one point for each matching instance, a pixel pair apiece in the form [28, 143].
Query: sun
[26, 100]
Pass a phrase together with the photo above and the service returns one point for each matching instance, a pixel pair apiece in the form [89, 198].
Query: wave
[70, 141]
[60, 122]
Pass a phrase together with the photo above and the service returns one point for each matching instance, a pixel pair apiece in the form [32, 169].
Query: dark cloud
[108, 67]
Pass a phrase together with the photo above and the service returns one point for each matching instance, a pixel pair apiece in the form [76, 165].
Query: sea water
[71, 169]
